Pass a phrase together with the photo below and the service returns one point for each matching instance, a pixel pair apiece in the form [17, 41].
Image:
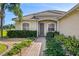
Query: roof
[76, 7]
[45, 15]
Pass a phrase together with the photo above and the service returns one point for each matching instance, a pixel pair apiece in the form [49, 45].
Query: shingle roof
[49, 14]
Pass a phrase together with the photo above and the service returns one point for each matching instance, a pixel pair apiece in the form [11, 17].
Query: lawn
[4, 33]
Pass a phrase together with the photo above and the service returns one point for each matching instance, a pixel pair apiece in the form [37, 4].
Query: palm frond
[15, 8]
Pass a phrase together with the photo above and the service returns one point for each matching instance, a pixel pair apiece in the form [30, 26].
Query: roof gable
[49, 14]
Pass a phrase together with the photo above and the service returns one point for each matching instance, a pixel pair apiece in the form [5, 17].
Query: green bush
[51, 34]
[17, 48]
[4, 33]
[21, 34]
[3, 48]
[54, 48]
[70, 43]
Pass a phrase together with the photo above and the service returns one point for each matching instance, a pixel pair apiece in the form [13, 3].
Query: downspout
[37, 27]
[56, 25]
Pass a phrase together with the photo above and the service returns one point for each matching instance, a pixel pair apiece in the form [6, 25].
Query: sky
[29, 8]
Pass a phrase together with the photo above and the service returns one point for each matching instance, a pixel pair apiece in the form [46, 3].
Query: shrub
[54, 48]
[4, 33]
[17, 48]
[70, 43]
[3, 48]
[26, 44]
[21, 34]
[51, 34]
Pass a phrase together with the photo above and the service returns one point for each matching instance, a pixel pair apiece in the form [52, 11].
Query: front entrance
[41, 29]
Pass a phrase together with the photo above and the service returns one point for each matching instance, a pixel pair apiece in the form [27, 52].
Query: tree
[12, 7]
[9, 27]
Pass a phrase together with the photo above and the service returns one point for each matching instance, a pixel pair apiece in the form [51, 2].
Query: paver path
[33, 50]
[43, 41]
[36, 49]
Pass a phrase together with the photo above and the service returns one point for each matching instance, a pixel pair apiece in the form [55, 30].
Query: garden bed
[17, 47]
[59, 45]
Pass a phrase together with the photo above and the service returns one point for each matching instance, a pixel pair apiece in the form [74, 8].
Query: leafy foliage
[12, 7]
[54, 48]
[51, 34]
[17, 48]
[57, 42]
[21, 34]
[9, 26]
[4, 33]
[3, 47]
[70, 43]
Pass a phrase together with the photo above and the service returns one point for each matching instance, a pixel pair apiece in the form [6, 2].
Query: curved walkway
[36, 49]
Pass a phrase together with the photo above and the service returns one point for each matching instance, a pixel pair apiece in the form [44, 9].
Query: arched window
[25, 26]
[51, 27]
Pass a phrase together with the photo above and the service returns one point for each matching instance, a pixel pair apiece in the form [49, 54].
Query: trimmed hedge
[21, 33]
[51, 34]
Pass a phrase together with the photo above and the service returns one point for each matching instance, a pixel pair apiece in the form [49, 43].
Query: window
[25, 26]
[51, 27]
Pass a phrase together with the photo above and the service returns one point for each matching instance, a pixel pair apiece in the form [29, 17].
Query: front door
[41, 31]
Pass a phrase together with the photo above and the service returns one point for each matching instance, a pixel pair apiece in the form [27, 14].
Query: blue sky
[29, 8]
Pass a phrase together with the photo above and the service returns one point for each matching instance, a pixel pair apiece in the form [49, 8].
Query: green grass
[3, 48]
[4, 33]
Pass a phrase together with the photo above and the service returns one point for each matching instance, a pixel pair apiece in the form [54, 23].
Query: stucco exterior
[69, 25]
[34, 25]
[66, 23]
[45, 17]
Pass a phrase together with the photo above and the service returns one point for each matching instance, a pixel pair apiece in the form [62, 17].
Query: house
[42, 22]
[66, 23]
[69, 23]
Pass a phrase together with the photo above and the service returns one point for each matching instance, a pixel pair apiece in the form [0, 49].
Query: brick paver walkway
[36, 49]
[33, 50]
[43, 41]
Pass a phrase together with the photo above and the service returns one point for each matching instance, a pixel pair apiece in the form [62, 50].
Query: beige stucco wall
[69, 25]
[33, 25]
